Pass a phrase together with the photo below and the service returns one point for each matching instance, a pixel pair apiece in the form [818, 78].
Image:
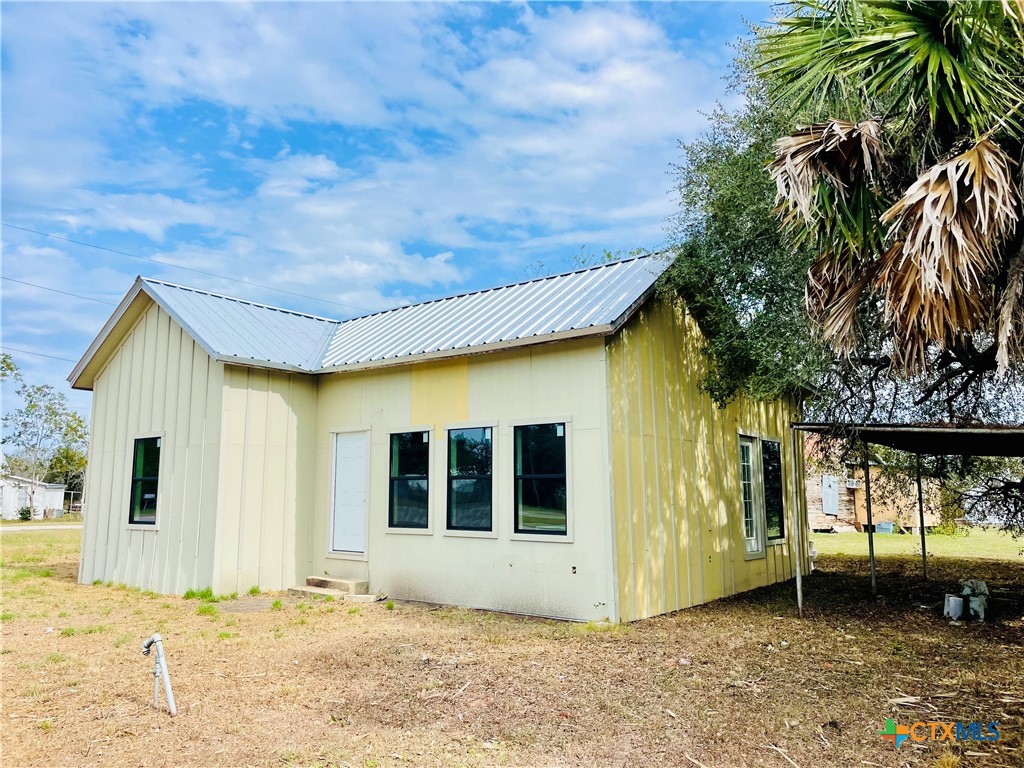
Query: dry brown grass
[332, 684]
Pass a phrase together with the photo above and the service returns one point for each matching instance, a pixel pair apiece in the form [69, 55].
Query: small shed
[17, 492]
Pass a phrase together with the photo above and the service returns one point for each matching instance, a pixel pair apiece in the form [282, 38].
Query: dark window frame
[136, 483]
[451, 478]
[517, 476]
[780, 496]
[393, 479]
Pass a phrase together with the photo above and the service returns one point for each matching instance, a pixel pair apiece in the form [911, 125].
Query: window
[145, 477]
[469, 479]
[410, 467]
[761, 493]
[540, 487]
[750, 533]
[771, 474]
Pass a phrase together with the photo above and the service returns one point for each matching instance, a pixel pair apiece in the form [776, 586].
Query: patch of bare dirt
[741, 682]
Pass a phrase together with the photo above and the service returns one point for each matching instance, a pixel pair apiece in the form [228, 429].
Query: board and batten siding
[675, 471]
[266, 490]
[546, 577]
[158, 382]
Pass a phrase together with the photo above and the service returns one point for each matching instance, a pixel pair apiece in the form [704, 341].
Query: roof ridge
[261, 305]
[591, 268]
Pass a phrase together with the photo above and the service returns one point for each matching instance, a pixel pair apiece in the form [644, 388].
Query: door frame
[331, 552]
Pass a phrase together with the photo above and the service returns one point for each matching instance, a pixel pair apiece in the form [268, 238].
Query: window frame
[130, 524]
[403, 530]
[554, 538]
[781, 538]
[443, 459]
[760, 519]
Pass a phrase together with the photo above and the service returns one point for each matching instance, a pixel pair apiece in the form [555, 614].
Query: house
[541, 448]
[46, 499]
[836, 500]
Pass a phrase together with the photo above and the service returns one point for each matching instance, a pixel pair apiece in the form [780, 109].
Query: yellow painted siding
[675, 472]
[565, 381]
[267, 473]
[157, 382]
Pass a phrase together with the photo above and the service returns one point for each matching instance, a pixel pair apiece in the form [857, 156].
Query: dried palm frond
[1010, 324]
[835, 286]
[946, 231]
[1014, 9]
[837, 151]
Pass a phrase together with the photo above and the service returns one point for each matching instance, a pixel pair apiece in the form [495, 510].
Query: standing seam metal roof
[598, 299]
[243, 329]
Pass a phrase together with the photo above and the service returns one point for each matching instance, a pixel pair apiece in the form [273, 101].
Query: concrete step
[362, 598]
[351, 586]
[337, 594]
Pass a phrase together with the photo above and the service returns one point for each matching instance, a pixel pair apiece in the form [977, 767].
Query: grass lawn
[65, 519]
[275, 681]
[986, 543]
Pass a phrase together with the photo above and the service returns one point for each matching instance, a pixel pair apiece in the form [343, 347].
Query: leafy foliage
[48, 437]
[740, 277]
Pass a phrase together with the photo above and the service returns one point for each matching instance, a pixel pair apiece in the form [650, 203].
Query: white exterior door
[348, 524]
[830, 495]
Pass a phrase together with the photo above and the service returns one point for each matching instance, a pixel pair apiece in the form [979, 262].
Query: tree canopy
[49, 438]
[783, 257]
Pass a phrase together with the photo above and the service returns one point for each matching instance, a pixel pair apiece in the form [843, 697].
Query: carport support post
[920, 515]
[796, 528]
[871, 524]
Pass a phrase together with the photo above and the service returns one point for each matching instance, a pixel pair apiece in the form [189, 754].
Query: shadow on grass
[840, 587]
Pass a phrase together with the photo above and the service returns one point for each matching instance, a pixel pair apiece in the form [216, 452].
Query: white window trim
[155, 525]
[332, 554]
[442, 447]
[551, 538]
[431, 472]
[757, 476]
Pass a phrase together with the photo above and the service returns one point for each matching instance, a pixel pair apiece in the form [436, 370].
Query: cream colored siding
[157, 382]
[267, 478]
[565, 381]
[678, 517]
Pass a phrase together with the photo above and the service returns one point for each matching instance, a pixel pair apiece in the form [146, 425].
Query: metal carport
[920, 439]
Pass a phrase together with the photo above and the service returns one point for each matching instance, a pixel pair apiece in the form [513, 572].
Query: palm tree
[907, 175]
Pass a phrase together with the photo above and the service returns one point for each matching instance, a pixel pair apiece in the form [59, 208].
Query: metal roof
[931, 439]
[586, 302]
[244, 330]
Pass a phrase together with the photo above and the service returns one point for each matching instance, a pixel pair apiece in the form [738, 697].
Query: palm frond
[837, 152]
[946, 232]
[957, 62]
[835, 286]
[1010, 323]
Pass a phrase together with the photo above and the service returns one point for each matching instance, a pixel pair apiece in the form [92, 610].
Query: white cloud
[367, 153]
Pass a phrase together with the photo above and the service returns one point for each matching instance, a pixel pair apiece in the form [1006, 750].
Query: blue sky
[365, 154]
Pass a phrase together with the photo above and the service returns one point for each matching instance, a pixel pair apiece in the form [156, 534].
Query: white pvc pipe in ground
[160, 670]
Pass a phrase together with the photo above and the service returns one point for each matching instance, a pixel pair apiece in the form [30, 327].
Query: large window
[410, 468]
[145, 479]
[771, 474]
[469, 479]
[540, 487]
[761, 493]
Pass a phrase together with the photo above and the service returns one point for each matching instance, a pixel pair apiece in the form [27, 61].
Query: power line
[39, 354]
[178, 266]
[54, 290]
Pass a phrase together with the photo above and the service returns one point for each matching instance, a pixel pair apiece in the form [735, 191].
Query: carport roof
[931, 439]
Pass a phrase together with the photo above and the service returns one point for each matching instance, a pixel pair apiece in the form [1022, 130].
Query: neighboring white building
[15, 493]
